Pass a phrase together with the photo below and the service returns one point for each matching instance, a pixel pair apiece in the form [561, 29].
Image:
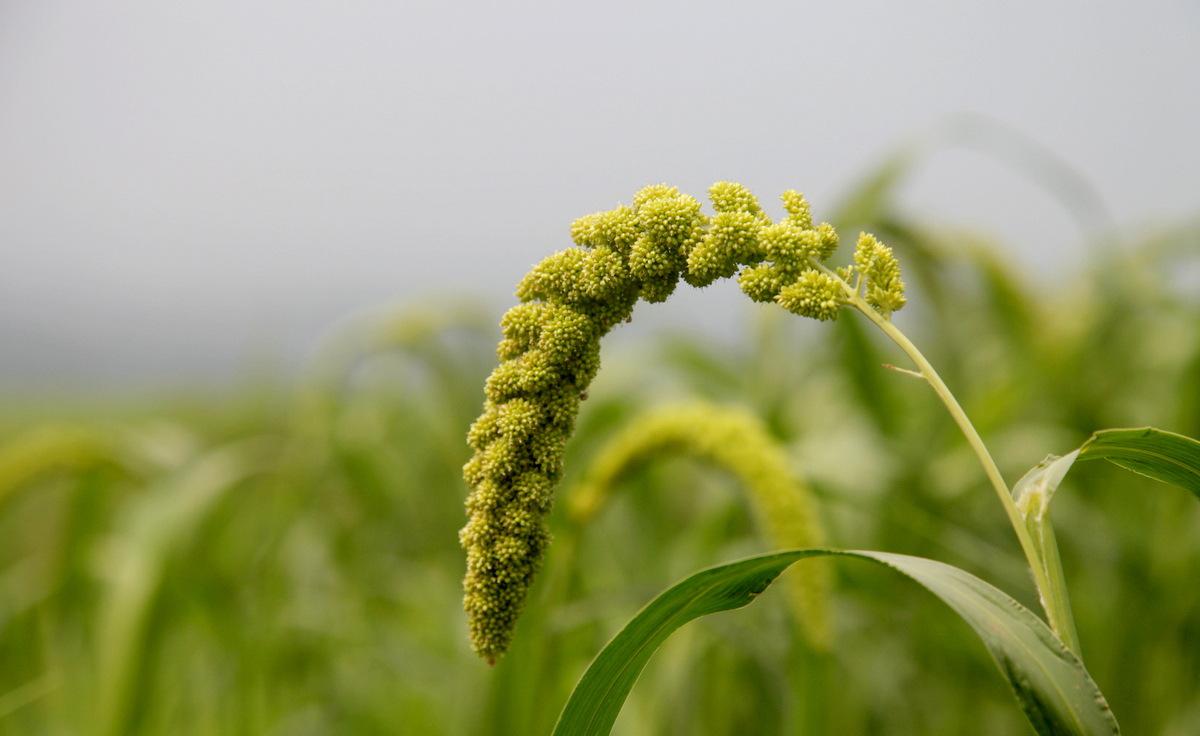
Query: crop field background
[282, 558]
[277, 553]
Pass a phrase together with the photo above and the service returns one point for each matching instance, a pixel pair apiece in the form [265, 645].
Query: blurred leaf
[712, 371]
[162, 522]
[862, 362]
[1188, 393]
[871, 199]
[1051, 685]
[51, 449]
[1009, 300]
[1041, 164]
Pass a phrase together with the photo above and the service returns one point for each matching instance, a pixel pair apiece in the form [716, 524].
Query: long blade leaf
[1051, 685]
[1164, 456]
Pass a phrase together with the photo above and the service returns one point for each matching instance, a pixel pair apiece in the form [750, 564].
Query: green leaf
[1032, 495]
[1164, 456]
[1035, 489]
[1051, 685]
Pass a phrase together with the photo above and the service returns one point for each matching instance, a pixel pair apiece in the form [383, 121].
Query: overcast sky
[188, 186]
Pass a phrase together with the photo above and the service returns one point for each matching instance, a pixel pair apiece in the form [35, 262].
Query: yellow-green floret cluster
[551, 351]
[875, 262]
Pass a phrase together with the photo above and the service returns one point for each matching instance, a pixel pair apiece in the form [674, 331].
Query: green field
[282, 557]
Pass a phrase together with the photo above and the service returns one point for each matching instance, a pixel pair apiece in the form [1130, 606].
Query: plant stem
[1042, 532]
[1053, 600]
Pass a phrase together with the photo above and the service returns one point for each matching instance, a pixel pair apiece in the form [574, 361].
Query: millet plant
[551, 352]
[735, 441]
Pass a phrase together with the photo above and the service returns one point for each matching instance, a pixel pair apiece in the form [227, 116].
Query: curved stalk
[1053, 598]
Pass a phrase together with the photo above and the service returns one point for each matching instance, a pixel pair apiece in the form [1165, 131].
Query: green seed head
[797, 208]
[616, 229]
[881, 274]
[814, 294]
[728, 196]
[731, 240]
[550, 352]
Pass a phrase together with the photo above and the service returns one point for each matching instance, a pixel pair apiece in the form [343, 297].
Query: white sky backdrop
[185, 186]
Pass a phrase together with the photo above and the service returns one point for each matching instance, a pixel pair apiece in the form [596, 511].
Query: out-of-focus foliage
[286, 561]
[733, 441]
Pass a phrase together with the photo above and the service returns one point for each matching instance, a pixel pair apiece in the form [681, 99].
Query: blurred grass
[284, 560]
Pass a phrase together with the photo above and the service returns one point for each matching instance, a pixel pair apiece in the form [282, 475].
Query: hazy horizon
[192, 188]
